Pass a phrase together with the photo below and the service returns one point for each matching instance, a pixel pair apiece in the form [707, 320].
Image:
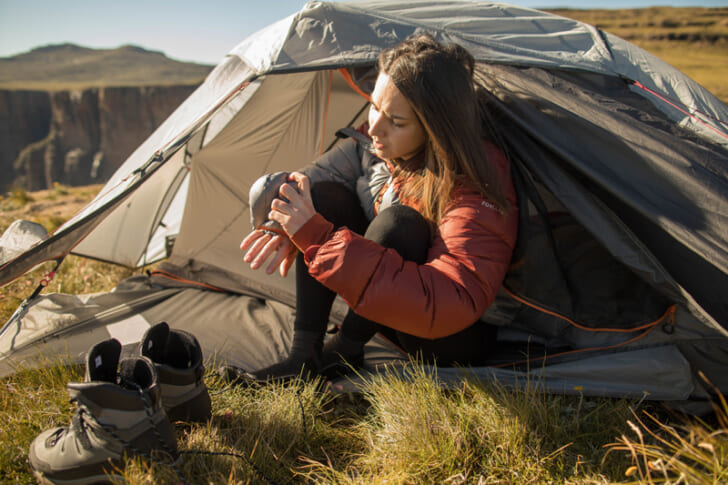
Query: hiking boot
[177, 358]
[118, 413]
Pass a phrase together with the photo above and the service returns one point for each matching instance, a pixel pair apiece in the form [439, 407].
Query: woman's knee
[403, 229]
[339, 205]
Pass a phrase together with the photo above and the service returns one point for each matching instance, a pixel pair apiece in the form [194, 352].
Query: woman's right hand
[261, 244]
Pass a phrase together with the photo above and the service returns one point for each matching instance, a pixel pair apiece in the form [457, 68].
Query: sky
[201, 31]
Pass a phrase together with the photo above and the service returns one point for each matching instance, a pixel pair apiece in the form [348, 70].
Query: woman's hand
[261, 244]
[292, 215]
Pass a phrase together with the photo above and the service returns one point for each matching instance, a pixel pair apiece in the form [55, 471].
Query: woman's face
[394, 127]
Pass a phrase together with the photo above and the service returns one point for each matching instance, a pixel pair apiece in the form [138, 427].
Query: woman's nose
[374, 124]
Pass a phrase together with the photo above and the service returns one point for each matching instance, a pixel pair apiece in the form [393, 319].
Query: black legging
[398, 227]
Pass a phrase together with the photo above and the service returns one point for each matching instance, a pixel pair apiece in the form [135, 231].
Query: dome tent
[618, 281]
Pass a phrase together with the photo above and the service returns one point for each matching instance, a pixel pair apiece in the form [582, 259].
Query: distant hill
[686, 24]
[69, 66]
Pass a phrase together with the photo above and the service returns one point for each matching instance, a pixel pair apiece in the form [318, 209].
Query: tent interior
[617, 284]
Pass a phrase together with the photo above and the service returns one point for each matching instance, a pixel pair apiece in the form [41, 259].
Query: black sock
[304, 357]
[343, 345]
[306, 344]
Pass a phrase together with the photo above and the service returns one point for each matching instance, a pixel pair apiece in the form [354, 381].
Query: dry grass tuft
[692, 451]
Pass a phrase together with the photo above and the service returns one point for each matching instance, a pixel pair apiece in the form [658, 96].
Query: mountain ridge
[55, 67]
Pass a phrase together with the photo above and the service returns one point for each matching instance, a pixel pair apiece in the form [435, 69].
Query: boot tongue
[136, 373]
[154, 343]
[102, 361]
[180, 351]
[165, 346]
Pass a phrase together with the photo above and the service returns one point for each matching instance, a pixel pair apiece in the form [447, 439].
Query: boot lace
[77, 428]
[149, 411]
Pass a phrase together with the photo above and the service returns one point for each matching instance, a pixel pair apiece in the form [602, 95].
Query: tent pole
[45, 281]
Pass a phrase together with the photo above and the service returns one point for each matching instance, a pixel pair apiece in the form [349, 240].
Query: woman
[413, 226]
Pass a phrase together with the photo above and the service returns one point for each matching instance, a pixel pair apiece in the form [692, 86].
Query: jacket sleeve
[465, 268]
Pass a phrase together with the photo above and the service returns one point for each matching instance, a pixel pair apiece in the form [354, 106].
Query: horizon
[185, 31]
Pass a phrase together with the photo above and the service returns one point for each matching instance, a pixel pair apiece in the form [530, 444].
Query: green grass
[394, 431]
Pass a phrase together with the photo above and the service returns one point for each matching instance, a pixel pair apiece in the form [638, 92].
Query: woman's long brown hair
[437, 81]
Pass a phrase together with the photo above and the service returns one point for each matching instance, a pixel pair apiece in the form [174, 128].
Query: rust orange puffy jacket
[465, 266]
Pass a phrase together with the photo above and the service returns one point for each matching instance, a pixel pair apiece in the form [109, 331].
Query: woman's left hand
[292, 215]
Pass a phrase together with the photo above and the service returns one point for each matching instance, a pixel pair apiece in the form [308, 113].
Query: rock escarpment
[77, 137]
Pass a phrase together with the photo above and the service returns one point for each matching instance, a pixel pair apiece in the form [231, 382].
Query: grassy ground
[393, 432]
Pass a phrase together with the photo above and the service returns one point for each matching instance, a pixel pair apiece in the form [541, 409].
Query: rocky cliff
[25, 118]
[77, 137]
